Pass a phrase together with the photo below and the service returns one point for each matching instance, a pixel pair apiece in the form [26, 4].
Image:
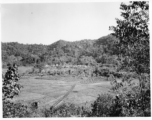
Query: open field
[47, 92]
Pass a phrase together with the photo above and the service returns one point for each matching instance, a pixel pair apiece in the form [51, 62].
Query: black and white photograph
[75, 59]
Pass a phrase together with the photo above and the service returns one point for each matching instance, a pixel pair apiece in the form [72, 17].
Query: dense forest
[84, 52]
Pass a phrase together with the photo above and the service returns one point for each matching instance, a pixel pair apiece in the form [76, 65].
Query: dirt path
[55, 102]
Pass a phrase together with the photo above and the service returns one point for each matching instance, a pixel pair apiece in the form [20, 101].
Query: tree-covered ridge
[60, 52]
[21, 53]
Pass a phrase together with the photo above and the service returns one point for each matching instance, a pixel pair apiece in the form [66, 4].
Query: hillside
[60, 52]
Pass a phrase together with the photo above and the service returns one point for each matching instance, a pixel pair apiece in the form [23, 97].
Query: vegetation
[10, 85]
[126, 49]
[10, 89]
[14, 110]
[133, 36]
[132, 48]
[83, 52]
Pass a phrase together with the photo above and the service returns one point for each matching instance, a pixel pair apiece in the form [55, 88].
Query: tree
[10, 89]
[133, 34]
[35, 58]
[10, 85]
[40, 66]
[87, 60]
[133, 50]
[12, 59]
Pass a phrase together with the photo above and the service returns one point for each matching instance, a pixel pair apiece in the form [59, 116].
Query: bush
[12, 110]
[101, 72]
[116, 74]
[104, 72]
[101, 106]
[131, 100]
[66, 110]
[134, 99]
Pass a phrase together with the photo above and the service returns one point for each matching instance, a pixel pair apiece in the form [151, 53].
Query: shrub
[131, 100]
[134, 99]
[12, 110]
[101, 72]
[101, 106]
[116, 74]
[66, 110]
[104, 72]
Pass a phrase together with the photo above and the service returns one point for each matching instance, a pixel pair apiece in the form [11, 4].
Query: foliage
[66, 110]
[133, 49]
[40, 66]
[116, 74]
[101, 106]
[60, 52]
[85, 60]
[106, 44]
[10, 89]
[10, 85]
[133, 36]
[13, 110]
[131, 100]
[26, 54]
[104, 72]
[133, 96]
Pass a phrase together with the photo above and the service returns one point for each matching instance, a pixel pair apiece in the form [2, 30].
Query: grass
[50, 89]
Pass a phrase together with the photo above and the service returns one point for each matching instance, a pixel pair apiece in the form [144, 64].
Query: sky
[45, 23]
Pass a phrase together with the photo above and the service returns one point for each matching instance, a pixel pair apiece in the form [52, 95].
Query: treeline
[86, 52]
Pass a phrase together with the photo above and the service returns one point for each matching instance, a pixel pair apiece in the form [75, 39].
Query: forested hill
[61, 52]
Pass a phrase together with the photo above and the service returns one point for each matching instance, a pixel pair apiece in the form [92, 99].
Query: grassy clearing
[47, 90]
